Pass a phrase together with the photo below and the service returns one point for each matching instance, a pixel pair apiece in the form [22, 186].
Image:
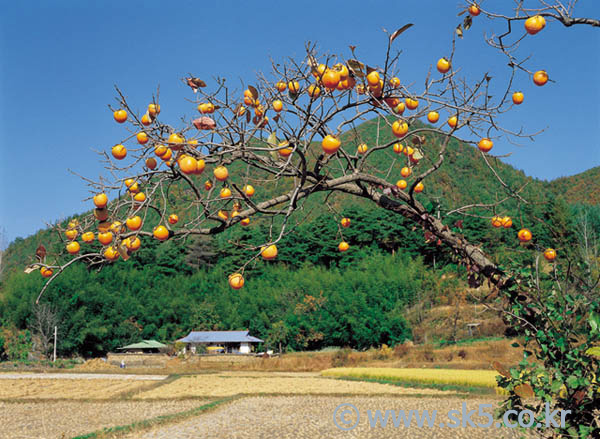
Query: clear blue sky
[60, 60]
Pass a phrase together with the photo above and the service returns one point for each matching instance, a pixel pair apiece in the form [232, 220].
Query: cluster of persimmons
[174, 152]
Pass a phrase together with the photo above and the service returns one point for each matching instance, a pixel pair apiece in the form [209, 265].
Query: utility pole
[55, 330]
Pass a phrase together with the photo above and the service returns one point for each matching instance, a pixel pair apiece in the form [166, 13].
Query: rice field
[240, 383]
[456, 377]
[86, 389]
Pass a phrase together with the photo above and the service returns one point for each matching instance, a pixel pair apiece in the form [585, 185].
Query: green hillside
[312, 295]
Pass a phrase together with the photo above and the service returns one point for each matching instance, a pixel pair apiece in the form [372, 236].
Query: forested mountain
[312, 296]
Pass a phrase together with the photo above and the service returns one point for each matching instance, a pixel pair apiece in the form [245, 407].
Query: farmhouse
[233, 342]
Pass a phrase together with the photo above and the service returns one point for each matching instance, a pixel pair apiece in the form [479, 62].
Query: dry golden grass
[65, 419]
[458, 377]
[232, 383]
[66, 388]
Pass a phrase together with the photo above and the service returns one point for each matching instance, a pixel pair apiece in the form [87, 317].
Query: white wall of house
[245, 348]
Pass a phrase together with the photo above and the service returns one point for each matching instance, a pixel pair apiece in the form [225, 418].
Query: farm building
[233, 342]
[143, 347]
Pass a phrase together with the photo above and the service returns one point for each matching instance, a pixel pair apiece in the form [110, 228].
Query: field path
[80, 376]
[311, 417]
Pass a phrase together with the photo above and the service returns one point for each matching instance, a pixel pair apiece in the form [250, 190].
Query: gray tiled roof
[219, 337]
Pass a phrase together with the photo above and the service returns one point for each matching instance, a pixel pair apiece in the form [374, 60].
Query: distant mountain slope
[463, 179]
[580, 188]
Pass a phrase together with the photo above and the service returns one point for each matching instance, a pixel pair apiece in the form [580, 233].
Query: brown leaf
[254, 92]
[204, 123]
[468, 22]
[123, 251]
[459, 31]
[248, 117]
[462, 12]
[40, 252]
[195, 83]
[578, 396]
[500, 369]
[399, 31]
[459, 224]
[356, 67]
[524, 391]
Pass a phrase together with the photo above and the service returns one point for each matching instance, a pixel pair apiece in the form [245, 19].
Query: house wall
[245, 348]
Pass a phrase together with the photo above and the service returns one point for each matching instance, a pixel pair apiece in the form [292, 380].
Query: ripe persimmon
[331, 79]
[119, 152]
[517, 98]
[153, 109]
[87, 237]
[496, 221]
[294, 87]
[453, 121]
[111, 253]
[535, 24]
[73, 247]
[223, 214]
[395, 82]
[161, 233]
[132, 243]
[173, 218]
[443, 65]
[281, 86]
[208, 185]
[134, 223]
[540, 77]
[269, 252]
[399, 128]
[151, 163]
[146, 120]
[100, 200]
[225, 193]
[120, 115]
[405, 172]
[221, 173]
[71, 234]
[160, 150]
[474, 10]
[200, 165]
[433, 116]
[411, 104]
[187, 164]
[343, 246]
[245, 221]
[507, 222]
[167, 155]
[398, 148]
[330, 144]
[485, 144]
[314, 91]
[236, 281]
[248, 190]
[524, 235]
[277, 105]
[373, 79]
[105, 237]
[284, 152]
[362, 148]
[401, 184]
[419, 187]
[142, 138]
[345, 222]
[140, 197]
[550, 254]
[175, 140]
[46, 272]
[399, 109]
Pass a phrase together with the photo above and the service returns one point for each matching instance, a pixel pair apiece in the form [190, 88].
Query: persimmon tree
[257, 153]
